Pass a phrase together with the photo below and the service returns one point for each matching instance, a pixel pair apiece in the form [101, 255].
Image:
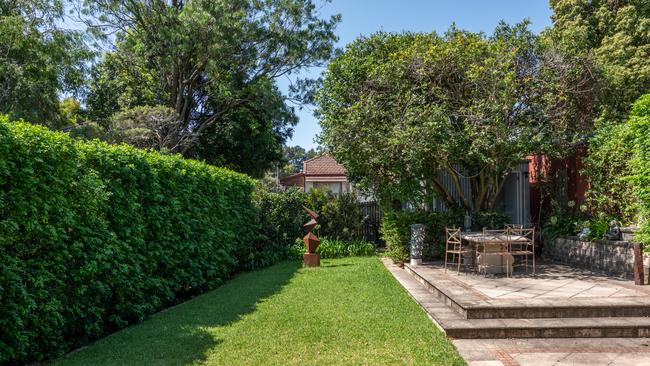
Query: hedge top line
[21, 126]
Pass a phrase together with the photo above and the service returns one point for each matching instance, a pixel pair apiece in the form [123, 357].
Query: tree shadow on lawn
[326, 265]
[181, 335]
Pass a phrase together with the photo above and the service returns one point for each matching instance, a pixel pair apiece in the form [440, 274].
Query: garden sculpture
[584, 233]
[614, 232]
[311, 258]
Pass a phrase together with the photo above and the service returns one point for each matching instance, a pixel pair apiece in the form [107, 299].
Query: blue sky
[363, 17]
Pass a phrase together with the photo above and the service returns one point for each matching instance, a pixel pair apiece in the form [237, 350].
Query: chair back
[497, 233]
[528, 233]
[514, 226]
[523, 238]
[454, 236]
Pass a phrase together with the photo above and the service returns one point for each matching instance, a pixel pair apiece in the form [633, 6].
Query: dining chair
[454, 246]
[522, 244]
[514, 226]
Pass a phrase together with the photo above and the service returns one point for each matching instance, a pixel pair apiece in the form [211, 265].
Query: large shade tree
[216, 64]
[616, 36]
[39, 61]
[399, 110]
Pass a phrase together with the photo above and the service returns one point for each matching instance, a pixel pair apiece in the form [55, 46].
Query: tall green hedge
[618, 167]
[639, 124]
[96, 236]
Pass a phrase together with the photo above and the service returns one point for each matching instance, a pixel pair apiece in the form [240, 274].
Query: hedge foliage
[283, 215]
[607, 167]
[639, 123]
[281, 218]
[618, 167]
[396, 229]
[96, 236]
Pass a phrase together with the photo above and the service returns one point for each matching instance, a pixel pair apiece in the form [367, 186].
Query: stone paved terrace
[550, 281]
[556, 291]
[559, 317]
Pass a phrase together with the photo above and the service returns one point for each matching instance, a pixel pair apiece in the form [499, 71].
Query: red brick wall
[553, 170]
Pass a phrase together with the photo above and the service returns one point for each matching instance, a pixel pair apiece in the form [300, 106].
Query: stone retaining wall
[612, 257]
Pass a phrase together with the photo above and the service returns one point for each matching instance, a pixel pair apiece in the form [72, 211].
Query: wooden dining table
[492, 245]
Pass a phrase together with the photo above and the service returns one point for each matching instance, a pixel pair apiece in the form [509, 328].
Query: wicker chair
[523, 246]
[454, 246]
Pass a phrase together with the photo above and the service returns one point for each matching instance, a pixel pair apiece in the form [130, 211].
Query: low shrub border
[396, 231]
[336, 248]
[94, 237]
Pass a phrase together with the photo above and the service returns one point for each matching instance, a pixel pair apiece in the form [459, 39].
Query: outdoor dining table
[492, 245]
[481, 238]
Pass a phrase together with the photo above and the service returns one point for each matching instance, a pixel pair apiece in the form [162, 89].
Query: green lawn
[349, 311]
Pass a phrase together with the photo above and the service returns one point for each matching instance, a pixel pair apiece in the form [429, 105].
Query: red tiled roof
[323, 165]
[297, 179]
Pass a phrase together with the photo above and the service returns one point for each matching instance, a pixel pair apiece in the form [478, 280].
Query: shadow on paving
[181, 335]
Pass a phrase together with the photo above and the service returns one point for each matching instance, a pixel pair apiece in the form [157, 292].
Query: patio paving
[550, 281]
[577, 330]
[556, 291]
[465, 312]
[555, 352]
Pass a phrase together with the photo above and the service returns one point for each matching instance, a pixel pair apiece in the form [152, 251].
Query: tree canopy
[215, 63]
[39, 61]
[293, 157]
[616, 36]
[400, 109]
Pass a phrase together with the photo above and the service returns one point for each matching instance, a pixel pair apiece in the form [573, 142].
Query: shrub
[606, 166]
[396, 231]
[340, 215]
[282, 217]
[490, 220]
[398, 253]
[337, 248]
[96, 236]
[561, 224]
[639, 123]
[618, 167]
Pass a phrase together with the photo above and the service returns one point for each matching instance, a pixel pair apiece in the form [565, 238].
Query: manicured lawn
[349, 311]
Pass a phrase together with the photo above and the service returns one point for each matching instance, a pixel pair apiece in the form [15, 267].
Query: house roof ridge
[324, 164]
[318, 157]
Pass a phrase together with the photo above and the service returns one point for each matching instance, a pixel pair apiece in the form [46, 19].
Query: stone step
[623, 327]
[457, 326]
[470, 306]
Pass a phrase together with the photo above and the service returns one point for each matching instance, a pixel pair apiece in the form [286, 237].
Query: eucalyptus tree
[216, 63]
[399, 110]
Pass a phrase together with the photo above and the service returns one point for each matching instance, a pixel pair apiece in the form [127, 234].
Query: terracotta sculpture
[311, 258]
